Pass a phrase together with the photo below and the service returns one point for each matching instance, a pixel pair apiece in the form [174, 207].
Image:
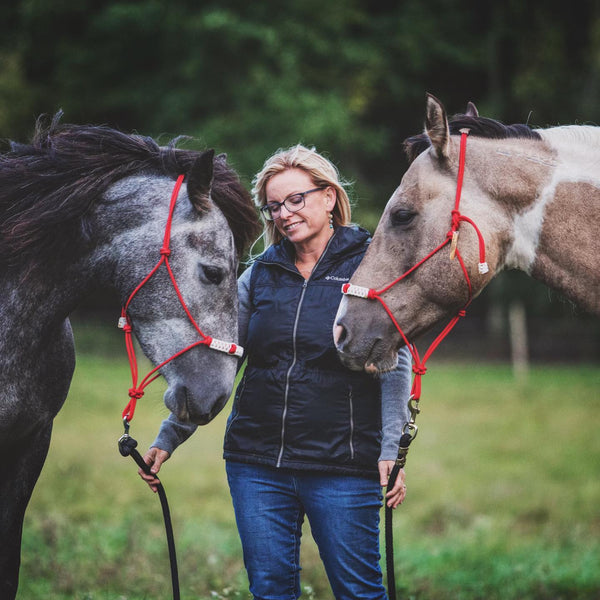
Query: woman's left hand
[396, 495]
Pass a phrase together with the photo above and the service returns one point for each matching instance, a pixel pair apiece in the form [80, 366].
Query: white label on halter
[122, 322]
[356, 290]
[483, 268]
[227, 347]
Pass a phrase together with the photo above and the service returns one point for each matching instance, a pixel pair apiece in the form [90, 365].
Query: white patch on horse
[574, 162]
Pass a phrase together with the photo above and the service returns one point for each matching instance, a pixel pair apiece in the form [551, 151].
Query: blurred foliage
[345, 75]
[348, 76]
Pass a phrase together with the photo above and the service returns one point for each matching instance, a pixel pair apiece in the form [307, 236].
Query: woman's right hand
[154, 458]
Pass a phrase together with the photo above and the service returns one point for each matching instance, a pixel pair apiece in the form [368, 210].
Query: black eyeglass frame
[267, 208]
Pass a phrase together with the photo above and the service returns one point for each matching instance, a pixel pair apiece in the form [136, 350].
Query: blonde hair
[322, 172]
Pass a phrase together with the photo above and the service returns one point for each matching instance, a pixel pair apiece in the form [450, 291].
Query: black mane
[47, 186]
[479, 127]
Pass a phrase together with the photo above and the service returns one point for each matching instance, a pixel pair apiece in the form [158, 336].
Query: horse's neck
[31, 306]
[37, 355]
[559, 232]
[568, 246]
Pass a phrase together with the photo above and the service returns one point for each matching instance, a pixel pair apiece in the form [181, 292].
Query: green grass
[503, 496]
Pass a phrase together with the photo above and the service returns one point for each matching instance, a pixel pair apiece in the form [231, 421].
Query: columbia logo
[334, 278]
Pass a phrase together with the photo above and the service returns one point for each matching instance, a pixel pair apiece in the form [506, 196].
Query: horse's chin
[376, 359]
[381, 362]
[188, 409]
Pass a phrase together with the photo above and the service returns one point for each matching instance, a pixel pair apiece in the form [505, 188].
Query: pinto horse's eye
[210, 274]
[402, 218]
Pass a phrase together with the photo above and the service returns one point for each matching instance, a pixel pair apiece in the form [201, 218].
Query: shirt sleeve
[244, 308]
[172, 432]
[395, 393]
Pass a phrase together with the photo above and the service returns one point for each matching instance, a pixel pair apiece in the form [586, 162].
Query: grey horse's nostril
[339, 334]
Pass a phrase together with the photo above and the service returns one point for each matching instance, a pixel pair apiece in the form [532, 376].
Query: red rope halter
[137, 390]
[419, 368]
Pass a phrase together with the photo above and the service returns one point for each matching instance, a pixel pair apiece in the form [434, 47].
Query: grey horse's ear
[471, 110]
[436, 126]
[200, 179]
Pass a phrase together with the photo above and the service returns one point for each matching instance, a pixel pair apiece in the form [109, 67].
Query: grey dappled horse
[534, 195]
[83, 206]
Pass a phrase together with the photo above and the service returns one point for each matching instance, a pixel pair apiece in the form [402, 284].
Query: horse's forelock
[236, 204]
[415, 145]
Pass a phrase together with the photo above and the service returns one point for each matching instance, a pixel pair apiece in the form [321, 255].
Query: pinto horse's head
[417, 219]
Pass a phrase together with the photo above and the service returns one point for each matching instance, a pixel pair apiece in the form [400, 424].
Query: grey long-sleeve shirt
[395, 391]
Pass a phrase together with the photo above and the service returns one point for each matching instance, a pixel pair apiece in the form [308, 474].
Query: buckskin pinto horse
[530, 200]
[85, 205]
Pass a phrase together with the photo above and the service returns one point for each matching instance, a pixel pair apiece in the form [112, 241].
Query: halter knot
[419, 370]
[455, 220]
[135, 393]
[462, 312]
[165, 251]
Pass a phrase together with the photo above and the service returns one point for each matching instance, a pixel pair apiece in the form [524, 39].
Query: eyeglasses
[293, 203]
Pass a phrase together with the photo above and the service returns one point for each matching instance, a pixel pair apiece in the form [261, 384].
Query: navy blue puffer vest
[297, 406]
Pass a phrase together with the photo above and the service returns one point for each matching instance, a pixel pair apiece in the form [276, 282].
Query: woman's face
[311, 222]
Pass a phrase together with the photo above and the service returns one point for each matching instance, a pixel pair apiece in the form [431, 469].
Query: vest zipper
[289, 372]
[351, 404]
[294, 354]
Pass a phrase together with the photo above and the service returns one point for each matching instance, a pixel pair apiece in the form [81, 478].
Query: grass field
[503, 496]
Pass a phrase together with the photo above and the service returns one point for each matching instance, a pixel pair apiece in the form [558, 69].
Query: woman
[305, 435]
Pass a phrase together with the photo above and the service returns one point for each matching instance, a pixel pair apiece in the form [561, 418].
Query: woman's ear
[330, 198]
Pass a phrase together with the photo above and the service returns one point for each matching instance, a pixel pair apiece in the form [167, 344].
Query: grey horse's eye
[210, 274]
[402, 218]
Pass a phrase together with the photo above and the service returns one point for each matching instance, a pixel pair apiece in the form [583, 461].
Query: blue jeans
[343, 512]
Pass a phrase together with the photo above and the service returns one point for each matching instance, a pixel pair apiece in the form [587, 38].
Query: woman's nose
[287, 210]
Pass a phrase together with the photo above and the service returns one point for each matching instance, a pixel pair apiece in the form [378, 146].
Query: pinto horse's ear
[436, 126]
[471, 110]
[200, 180]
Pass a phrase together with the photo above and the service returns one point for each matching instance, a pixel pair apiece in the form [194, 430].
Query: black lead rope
[127, 447]
[409, 433]
[389, 539]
